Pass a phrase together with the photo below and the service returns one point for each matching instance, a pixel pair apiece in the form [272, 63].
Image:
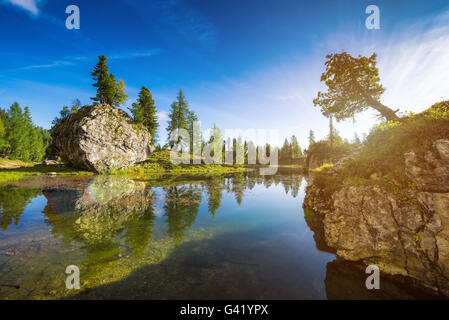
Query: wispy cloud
[412, 60]
[414, 66]
[32, 6]
[70, 61]
[136, 54]
[412, 63]
[54, 64]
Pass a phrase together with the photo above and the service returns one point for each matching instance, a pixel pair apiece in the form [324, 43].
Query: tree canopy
[179, 116]
[20, 138]
[353, 86]
[144, 111]
[109, 91]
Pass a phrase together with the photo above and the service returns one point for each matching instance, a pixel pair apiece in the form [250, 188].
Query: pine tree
[65, 112]
[24, 141]
[239, 151]
[100, 74]
[195, 137]
[311, 138]
[216, 141]
[3, 143]
[182, 111]
[178, 117]
[76, 105]
[144, 111]
[173, 123]
[108, 90]
[16, 133]
[285, 150]
[120, 94]
[331, 136]
[296, 152]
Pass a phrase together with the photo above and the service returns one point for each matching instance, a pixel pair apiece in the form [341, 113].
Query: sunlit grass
[14, 174]
[158, 163]
[381, 158]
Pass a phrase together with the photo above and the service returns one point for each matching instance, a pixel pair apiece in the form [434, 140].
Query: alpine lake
[232, 236]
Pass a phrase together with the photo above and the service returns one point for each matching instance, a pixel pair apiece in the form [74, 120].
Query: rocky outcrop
[409, 238]
[100, 138]
[430, 172]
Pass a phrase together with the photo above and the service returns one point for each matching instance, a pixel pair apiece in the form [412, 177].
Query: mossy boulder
[100, 138]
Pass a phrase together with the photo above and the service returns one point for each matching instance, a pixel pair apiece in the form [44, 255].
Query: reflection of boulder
[346, 280]
[100, 211]
[96, 214]
[103, 189]
[315, 223]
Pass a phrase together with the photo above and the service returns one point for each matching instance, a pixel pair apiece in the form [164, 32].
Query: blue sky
[241, 64]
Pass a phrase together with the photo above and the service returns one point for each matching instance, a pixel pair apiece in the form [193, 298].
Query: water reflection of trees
[98, 216]
[110, 214]
[13, 202]
[107, 206]
[181, 208]
[214, 187]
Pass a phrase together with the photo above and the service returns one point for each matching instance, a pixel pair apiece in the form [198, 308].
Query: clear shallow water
[239, 236]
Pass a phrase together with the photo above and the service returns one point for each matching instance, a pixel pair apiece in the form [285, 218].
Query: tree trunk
[386, 112]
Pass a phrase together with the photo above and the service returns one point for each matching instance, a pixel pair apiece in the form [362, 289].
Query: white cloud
[162, 115]
[28, 5]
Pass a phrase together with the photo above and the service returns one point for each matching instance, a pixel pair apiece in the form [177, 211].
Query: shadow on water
[154, 238]
[230, 266]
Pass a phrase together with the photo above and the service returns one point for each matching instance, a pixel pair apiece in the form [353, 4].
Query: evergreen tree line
[181, 116]
[332, 147]
[290, 150]
[20, 139]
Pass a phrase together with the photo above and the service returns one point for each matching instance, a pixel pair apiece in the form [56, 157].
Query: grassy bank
[381, 158]
[158, 163]
[16, 173]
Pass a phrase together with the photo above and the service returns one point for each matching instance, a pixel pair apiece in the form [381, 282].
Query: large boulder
[100, 138]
